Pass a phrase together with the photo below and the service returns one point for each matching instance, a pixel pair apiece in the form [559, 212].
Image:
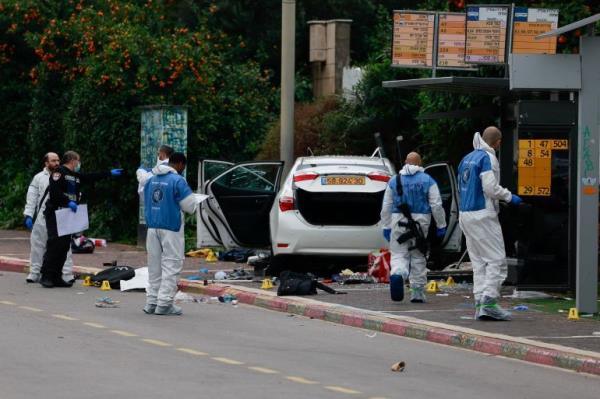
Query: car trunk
[339, 208]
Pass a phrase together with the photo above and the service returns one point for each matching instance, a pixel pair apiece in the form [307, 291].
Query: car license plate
[343, 180]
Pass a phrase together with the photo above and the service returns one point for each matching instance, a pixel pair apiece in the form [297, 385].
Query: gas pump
[544, 148]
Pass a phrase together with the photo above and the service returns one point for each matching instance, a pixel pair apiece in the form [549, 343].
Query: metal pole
[587, 177]
[288, 45]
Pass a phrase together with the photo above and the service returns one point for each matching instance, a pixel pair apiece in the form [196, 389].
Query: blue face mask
[77, 167]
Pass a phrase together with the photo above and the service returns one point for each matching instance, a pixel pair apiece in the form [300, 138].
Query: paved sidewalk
[532, 335]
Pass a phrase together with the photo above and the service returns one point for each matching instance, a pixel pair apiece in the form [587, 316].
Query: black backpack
[292, 283]
[114, 275]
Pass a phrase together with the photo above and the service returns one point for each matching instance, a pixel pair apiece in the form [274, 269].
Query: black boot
[46, 282]
[59, 282]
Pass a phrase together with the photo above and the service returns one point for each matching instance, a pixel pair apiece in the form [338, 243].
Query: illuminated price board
[530, 22]
[486, 34]
[451, 40]
[535, 165]
[412, 43]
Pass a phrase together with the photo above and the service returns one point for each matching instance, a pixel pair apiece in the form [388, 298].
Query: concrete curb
[493, 344]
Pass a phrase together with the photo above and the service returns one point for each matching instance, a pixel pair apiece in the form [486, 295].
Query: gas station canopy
[455, 84]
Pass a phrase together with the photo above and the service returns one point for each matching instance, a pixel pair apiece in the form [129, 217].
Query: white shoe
[33, 278]
[169, 310]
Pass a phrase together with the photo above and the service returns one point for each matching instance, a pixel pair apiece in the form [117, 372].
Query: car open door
[239, 203]
[445, 178]
[207, 233]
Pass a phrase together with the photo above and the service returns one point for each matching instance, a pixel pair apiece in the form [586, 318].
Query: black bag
[81, 244]
[114, 275]
[291, 283]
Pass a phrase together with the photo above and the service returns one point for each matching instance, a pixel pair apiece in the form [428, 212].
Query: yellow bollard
[87, 281]
[573, 314]
[432, 287]
[105, 286]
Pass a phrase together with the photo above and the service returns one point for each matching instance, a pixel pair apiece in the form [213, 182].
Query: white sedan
[327, 205]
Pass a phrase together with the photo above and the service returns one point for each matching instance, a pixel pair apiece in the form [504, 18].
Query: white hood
[409, 170]
[163, 170]
[479, 144]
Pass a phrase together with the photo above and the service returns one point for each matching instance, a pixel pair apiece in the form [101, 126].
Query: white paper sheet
[69, 222]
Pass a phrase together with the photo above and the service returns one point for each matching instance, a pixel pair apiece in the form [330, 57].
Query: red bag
[379, 265]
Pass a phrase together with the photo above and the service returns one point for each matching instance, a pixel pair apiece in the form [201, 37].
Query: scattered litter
[444, 294]
[234, 301]
[528, 295]
[193, 278]
[260, 261]
[182, 297]
[586, 315]
[467, 296]
[138, 282]
[239, 274]
[80, 293]
[521, 308]
[562, 311]
[203, 270]
[371, 335]
[98, 242]
[237, 255]
[596, 333]
[220, 275]
[199, 253]
[399, 367]
[106, 302]
[291, 315]
[227, 298]
[466, 318]
[356, 278]
[346, 272]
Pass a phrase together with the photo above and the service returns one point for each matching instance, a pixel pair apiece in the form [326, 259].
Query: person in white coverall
[479, 189]
[166, 195]
[35, 221]
[422, 195]
[142, 174]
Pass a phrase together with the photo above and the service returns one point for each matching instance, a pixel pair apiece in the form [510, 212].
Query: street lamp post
[288, 44]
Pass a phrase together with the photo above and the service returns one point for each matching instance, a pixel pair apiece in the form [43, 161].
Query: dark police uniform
[63, 188]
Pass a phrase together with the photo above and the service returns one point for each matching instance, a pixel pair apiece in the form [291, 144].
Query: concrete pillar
[329, 53]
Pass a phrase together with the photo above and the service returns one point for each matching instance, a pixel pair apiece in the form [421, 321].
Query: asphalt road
[54, 343]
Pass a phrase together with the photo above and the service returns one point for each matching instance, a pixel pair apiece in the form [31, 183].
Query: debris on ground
[521, 308]
[106, 302]
[371, 335]
[183, 297]
[220, 275]
[399, 367]
[528, 295]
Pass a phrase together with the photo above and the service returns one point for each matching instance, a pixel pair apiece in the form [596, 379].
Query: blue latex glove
[441, 232]
[116, 172]
[29, 223]
[387, 233]
[515, 200]
[73, 206]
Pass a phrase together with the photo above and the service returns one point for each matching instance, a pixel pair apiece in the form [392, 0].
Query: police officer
[64, 193]
[421, 194]
[479, 189]
[37, 195]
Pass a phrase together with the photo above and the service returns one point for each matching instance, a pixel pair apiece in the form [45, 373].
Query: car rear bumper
[295, 236]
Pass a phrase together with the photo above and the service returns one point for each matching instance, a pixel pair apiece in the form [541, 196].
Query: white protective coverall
[166, 250]
[479, 176]
[39, 233]
[422, 195]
